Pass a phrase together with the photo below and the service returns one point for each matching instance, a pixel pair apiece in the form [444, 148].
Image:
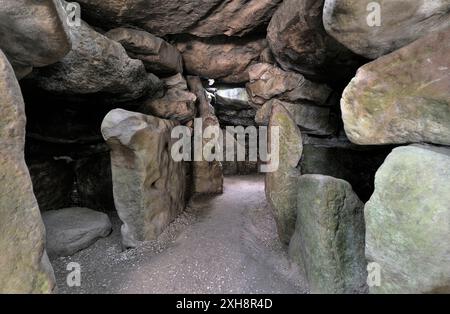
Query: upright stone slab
[329, 235]
[408, 221]
[281, 185]
[403, 97]
[207, 175]
[24, 265]
[149, 186]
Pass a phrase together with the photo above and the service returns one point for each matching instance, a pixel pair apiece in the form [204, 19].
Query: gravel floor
[222, 244]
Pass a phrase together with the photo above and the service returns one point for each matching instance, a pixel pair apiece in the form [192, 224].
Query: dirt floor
[222, 244]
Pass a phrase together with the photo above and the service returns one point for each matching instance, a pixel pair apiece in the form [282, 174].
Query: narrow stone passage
[221, 244]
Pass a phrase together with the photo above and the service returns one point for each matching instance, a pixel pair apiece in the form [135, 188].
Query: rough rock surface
[176, 104]
[159, 57]
[24, 265]
[311, 119]
[402, 22]
[201, 18]
[33, 34]
[207, 176]
[281, 184]
[408, 219]
[221, 58]
[300, 43]
[149, 187]
[268, 81]
[97, 65]
[236, 18]
[403, 97]
[329, 235]
[70, 230]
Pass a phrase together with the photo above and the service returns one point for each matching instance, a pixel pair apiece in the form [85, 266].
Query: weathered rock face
[402, 22]
[97, 65]
[149, 187]
[236, 18]
[33, 34]
[224, 59]
[24, 265]
[281, 185]
[403, 97]
[176, 104]
[408, 219]
[268, 81]
[201, 18]
[311, 119]
[207, 176]
[329, 235]
[299, 42]
[70, 230]
[338, 157]
[159, 57]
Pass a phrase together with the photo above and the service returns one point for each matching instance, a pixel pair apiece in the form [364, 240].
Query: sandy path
[223, 244]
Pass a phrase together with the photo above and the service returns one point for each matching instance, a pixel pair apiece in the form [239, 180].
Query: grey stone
[71, 230]
[97, 65]
[149, 186]
[33, 34]
[408, 221]
[300, 43]
[403, 97]
[402, 22]
[25, 267]
[281, 184]
[329, 235]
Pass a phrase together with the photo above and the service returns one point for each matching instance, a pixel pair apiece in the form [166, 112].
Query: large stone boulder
[70, 230]
[314, 120]
[403, 97]
[267, 82]
[148, 185]
[159, 57]
[97, 65]
[354, 23]
[177, 103]
[300, 43]
[408, 221]
[281, 184]
[24, 265]
[163, 17]
[33, 34]
[224, 59]
[329, 235]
